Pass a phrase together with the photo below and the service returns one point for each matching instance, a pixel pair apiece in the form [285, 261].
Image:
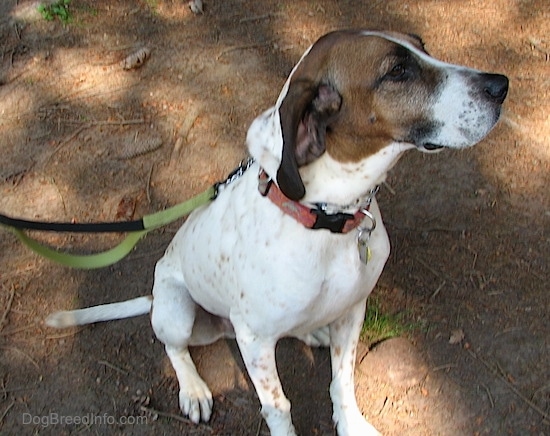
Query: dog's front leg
[259, 358]
[344, 335]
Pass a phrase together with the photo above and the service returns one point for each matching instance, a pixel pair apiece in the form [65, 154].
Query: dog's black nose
[495, 87]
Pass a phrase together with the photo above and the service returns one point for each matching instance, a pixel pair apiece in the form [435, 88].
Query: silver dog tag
[365, 253]
[363, 236]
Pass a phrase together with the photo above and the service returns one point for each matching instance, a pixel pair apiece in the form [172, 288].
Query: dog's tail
[104, 312]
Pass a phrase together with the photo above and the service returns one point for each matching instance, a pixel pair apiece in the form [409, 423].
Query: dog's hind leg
[173, 316]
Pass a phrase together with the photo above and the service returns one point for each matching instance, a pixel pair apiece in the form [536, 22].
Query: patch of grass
[153, 5]
[379, 326]
[59, 9]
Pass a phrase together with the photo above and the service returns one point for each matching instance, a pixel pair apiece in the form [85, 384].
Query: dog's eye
[398, 72]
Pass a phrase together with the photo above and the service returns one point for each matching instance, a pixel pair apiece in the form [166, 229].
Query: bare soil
[83, 139]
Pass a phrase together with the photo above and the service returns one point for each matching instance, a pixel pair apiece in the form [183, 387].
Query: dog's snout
[495, 87]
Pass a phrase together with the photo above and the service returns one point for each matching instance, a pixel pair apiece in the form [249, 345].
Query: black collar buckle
[333, 222]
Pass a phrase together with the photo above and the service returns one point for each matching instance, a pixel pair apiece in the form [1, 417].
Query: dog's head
[355, 93]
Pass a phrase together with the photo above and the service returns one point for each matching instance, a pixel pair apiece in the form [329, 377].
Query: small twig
[105, 122]
[66, 141]
[17, 30]
[87, 125]
[86, 427]
[110, 365]
[436, 292]
[241, 47]
[23, 354]
[16, 273]
[506, 331]
[12, 54]
[174, 416]
[148, 187]
[6, 411]
[474, 262]
[259, 427]
[383, 409]
[17, 330]
[498, 373]
[397, 227]
[500, 370]
[52, 180]
[489, 396]
[446, 366]
[259, 17]
[11, 390]
[65, 335]
[8, 308]
[388, 187]
[82, 93]
[428, 267]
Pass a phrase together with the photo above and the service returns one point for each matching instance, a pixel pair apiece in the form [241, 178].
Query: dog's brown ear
[306, 112]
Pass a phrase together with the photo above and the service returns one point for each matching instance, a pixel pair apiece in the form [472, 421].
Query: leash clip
[236, 174]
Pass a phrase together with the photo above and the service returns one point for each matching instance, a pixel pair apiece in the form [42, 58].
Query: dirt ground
[83, 139]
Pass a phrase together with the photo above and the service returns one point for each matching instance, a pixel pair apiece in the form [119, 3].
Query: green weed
[379, 326]
[59, 9]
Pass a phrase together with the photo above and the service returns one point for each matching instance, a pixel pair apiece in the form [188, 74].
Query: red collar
[311, 218]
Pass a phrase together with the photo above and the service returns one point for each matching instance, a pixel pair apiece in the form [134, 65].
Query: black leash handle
[111, 227]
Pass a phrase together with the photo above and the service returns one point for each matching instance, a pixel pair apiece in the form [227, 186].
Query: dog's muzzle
[467, 109]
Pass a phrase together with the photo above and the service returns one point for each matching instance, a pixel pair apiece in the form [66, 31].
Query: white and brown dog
[300, 257]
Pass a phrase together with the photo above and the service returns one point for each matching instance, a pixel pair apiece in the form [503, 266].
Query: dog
[295, 245]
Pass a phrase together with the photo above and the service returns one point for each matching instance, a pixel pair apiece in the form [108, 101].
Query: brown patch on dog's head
[351, 95]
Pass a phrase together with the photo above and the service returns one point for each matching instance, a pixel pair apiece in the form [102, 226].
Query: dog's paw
[196, 400]
[355, 425]
[317, 338]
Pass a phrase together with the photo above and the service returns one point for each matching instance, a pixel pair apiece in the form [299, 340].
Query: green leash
[137, 229]
[90, 261]
[100, 260]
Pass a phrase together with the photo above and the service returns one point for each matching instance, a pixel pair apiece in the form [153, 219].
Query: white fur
[342, 183]
[241, 268]
[105, 312]
[466, 119]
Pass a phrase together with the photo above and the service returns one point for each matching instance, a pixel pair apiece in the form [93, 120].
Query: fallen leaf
[457, 336]
[126, 209]
[136, 59]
